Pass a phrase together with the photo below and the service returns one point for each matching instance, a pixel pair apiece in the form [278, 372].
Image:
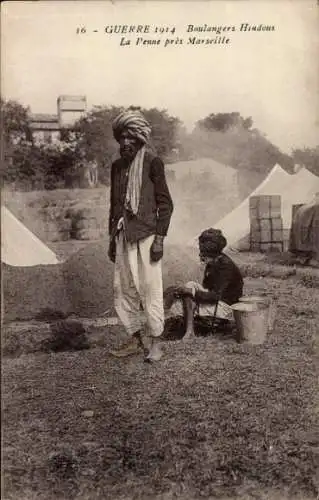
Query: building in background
[50, 128]
[70, 109]
[46, 128]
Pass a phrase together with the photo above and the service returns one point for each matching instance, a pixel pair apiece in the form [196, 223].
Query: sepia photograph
[160, 249]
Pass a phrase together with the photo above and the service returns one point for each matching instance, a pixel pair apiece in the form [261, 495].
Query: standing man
[140, 212]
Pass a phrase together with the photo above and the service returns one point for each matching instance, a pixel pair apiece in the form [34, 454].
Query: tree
[16, 140]
[15, 122]
[37, 166]
[165, 131]
[230, 139]
[221, 122]
[27, 165]
[307, 157]
[95, 141]
[58, 160]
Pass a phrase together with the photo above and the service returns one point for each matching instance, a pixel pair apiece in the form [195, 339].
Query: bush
[66, 336]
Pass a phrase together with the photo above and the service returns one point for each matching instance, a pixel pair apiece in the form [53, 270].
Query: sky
[272, 76]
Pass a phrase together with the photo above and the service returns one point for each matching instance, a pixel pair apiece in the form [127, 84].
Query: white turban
[134, 122]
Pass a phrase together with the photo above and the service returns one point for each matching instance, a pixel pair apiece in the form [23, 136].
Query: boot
[153, 352]
[134, 345]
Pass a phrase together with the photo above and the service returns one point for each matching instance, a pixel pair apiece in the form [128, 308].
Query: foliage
[15, 141]
[15, 122]
[226, 137]
[57, 160]
[165, 129]
[66, 335]
[231, 139]
[25, 164]
[221, 122]
[95, 139]
[308, 157]
[35, 167]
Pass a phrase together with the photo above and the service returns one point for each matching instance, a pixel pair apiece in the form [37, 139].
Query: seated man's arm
[206, 297]
[214, 290]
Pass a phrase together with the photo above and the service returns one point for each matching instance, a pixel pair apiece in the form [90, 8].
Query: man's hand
[157, 248]
[183, 291]
[112, 250]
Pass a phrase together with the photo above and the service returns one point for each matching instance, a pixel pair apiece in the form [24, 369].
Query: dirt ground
[214, 419]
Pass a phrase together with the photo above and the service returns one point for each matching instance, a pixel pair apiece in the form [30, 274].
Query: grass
[214, 419]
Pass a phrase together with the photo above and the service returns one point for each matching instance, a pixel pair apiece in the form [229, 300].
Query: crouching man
[222, 286]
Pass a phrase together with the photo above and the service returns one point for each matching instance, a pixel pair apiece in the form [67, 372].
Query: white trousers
[138, 287]
[224, 311]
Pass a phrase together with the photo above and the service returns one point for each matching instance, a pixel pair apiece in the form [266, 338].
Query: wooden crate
[271, 247]
[85, 224]
[254, 246]
[277, 236]
[264, 207]
[276, 224]
[259, 207]
[266, 234]
[87, 234]
[255, 225]
[275, 206]
[255, 237]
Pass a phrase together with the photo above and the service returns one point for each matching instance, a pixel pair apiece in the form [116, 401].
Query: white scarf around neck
[134, 184]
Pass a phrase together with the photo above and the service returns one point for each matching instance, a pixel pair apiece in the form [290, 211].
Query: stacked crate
[88, 224]
[56, 227]
[266, 225]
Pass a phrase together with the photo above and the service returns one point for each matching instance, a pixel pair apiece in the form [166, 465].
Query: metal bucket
[251, 322]
[260, 301]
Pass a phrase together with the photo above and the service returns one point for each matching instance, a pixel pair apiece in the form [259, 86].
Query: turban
[134, 122]
[212, 240]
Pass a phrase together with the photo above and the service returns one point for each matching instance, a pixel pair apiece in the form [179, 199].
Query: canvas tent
[293, 189]
[19, 246]
[195, 183]
[304, 237]
[31, 276]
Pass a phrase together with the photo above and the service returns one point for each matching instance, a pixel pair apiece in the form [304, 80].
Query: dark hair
[212, 241]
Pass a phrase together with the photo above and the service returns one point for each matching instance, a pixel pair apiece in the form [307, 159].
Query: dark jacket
[223, 281]
[155, 207]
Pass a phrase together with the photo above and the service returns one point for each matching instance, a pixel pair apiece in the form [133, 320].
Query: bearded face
[205, 259]
[129, 145]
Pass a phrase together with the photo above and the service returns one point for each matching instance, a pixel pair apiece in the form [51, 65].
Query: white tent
[293, 189]
[193, 187]
[19, 246]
